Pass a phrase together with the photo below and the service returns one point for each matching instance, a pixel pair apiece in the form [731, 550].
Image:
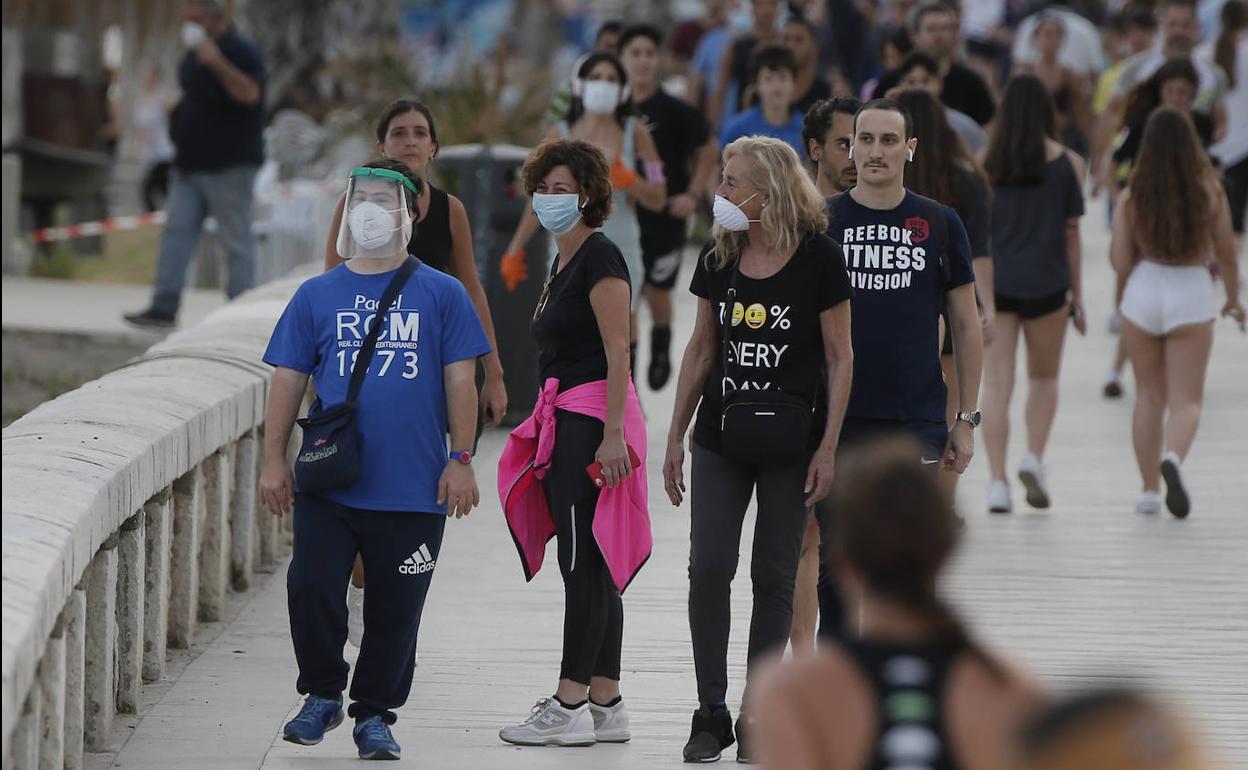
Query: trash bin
[487, 179]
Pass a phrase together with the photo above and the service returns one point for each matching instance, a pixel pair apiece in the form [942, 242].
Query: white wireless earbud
[910, 155]
[851, 152]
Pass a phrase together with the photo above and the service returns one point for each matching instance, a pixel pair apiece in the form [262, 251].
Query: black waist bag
[331, 456]
[760, 427]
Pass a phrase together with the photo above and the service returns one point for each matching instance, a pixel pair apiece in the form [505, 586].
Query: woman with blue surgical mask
[575, 469]
[601, 114]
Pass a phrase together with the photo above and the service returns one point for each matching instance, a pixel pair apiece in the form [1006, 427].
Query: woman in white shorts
[1171, 216]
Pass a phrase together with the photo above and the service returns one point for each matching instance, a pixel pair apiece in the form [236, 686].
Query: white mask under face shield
[377, 216]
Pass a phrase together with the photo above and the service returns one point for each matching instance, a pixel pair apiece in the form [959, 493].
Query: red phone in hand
[594, 469]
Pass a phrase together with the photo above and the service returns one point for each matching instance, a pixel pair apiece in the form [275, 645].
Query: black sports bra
[909, 683]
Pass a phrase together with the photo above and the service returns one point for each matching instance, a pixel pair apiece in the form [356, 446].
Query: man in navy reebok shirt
[420, 378]
[907, 257]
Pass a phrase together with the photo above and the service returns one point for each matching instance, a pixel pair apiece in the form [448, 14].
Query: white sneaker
[550, 724]
[355, 614]
[1148, 502]
[1031, 473]
[610, 722]
[999, 497]
[1176, 494]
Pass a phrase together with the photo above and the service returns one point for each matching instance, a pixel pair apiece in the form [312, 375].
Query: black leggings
[719, 498]
[593, 615]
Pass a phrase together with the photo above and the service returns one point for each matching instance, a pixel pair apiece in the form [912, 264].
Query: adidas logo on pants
[418, 563]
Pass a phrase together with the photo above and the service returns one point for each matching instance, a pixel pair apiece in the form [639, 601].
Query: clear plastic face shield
[376, 219]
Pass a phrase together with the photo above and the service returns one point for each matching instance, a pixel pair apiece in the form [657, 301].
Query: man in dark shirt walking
[908, 257]
[217, 129]
[934, 30]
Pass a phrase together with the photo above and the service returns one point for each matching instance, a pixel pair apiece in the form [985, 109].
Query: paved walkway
[77, 307]
[1086, 592]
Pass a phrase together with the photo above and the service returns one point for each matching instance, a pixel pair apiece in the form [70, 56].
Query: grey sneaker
[610, 722]
[550, 724]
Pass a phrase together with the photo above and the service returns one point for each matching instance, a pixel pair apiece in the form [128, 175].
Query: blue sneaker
[372, 737]
[318, 716]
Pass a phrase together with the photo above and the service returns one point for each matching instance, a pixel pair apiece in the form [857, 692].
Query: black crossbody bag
[759, 427]
[331, 456]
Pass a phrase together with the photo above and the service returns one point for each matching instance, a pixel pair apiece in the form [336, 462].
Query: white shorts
[1160, 298]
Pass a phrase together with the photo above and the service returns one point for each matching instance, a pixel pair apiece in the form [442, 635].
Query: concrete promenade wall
[130, 508]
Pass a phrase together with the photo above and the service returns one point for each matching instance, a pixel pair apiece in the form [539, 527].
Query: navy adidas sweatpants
[400, 550]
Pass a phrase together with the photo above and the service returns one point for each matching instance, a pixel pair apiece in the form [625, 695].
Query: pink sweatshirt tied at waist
[622, 515]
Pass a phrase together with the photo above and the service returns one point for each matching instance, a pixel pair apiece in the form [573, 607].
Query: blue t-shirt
[401, 412]
[894, 265]
[751, 123]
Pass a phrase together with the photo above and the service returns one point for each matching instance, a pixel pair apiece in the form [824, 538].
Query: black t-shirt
[679, 131]
[974, 208]
[820, 89]
[965, 91]
[211, 131]
[775, 329]
[899, 290]
[569, 345]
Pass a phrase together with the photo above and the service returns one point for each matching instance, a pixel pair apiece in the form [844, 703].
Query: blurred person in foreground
[908, 685]
[1170, 220]
[217, 130]
[1109, 729]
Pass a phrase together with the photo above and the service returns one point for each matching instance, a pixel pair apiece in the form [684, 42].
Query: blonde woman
[768, 371]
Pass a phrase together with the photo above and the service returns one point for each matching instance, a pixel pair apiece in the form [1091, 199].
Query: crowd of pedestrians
[869, 263]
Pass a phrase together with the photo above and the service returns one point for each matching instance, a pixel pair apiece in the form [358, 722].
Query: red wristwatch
[464, 457]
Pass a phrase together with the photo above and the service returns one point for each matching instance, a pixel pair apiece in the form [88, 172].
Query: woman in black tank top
[908, 686]
[441, 238]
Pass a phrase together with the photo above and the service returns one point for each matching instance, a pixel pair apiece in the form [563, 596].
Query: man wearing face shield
[418, 384]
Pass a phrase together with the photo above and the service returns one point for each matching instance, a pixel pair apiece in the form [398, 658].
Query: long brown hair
[1170, 195]
[1234, 18]
[942, 154]
[1016, 151]
[897, 527]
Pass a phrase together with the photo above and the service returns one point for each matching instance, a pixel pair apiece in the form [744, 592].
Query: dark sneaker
[744, 756]
[374, 740]
[151, 319]
[317, 717]
[1176, 494]
[710, 735]
[660, 370]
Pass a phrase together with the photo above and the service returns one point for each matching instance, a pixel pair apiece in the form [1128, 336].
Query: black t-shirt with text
[775, 330]
[569, 345]
[899, 286]
[679, 131]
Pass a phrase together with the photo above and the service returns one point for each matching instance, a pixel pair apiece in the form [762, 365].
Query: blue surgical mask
[559, 212]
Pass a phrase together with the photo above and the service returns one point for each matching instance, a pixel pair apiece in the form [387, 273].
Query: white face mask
[601, 97]
[372, 227]
[729, 215]
[193, 34]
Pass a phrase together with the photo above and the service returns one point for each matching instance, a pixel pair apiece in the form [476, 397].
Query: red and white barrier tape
[153, 218]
